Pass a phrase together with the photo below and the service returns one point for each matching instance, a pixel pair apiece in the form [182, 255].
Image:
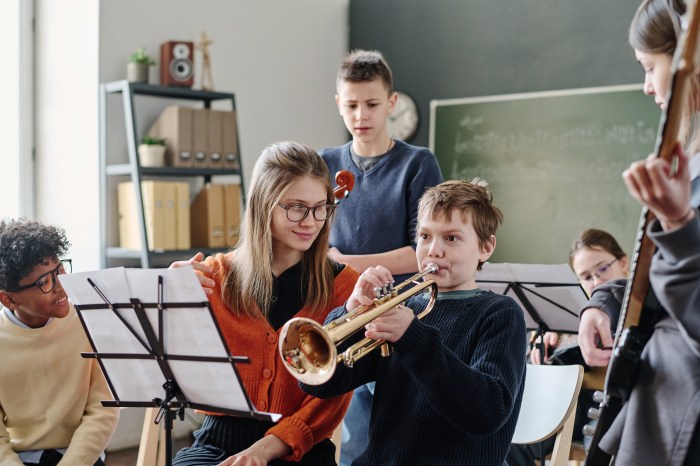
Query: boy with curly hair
[50, 397]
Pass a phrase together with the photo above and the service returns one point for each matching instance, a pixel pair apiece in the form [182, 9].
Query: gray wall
[441, 49]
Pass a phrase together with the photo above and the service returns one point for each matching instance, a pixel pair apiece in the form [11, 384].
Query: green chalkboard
[553, 161]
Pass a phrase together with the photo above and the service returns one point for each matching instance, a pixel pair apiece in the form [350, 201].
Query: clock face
[403, 121]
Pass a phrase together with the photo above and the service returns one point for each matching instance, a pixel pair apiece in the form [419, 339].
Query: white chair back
[549, 407]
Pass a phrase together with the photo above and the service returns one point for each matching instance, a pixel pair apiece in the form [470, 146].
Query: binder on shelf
[200, 137]
[175, 125]
[207, 217]
[216, 140]
[128, 226]
[169, 191]
[232, 212]
[155, 197]
[154, 210]
[230, 140]
[183, 215]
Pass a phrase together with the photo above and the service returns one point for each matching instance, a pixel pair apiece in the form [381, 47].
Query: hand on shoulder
[199, 266]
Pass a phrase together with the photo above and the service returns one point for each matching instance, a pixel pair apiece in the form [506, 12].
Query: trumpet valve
[347, 358]
[385, 350]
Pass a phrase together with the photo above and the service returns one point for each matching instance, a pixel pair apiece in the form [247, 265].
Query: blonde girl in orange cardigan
[280, 269]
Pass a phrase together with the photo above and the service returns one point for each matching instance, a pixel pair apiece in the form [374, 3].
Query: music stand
[549, 295]
[155, 337]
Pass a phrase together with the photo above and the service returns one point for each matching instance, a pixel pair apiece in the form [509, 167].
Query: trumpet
[309, 351]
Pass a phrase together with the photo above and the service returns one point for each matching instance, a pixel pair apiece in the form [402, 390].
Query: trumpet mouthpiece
[432, 268]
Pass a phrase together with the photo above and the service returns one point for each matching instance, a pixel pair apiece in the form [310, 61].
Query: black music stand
[155, 337]
[549, 295]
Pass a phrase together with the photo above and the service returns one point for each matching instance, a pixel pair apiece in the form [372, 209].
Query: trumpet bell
[308, 352]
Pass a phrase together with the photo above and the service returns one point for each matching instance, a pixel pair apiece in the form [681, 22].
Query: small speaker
[177, 63]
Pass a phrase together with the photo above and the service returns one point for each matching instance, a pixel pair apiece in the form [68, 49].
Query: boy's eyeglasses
[601, 273]
[298, 212]
[47, 282]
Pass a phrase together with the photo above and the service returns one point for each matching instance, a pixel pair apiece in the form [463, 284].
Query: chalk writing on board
[553, 162]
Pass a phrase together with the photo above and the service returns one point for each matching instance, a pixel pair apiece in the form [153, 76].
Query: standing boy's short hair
[364, 66]
[24, 244]
[470, 198]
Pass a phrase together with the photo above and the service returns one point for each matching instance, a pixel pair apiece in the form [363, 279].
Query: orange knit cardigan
[305, 420]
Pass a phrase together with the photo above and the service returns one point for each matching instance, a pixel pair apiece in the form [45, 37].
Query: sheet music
[187, 331]
[552, 290]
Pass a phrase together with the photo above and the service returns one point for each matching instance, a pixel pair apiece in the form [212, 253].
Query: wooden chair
[549, 408]
[337, 440]
[152, 446]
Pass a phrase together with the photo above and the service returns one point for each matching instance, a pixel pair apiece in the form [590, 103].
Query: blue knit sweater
[380, 213]
[451, 391]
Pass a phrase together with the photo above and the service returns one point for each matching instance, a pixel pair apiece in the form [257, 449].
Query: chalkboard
[553, 161]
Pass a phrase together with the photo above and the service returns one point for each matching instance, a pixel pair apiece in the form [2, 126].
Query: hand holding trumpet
[309, 350]
[392, 324]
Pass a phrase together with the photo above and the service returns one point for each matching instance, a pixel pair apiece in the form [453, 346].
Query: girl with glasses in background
[280, 269]
[601, 267]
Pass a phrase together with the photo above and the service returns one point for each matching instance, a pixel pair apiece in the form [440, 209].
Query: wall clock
[403, 121]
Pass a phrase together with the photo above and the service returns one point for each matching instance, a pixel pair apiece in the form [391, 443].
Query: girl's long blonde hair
[249, 284]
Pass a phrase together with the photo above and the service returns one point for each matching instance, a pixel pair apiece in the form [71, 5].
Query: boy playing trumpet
[450, 393]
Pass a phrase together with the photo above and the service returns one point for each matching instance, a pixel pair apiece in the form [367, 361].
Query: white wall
[66, 123]
[16, 112]
[278, 57]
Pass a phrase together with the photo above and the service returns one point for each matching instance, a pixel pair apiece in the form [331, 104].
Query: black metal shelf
[172, 92]
[121, 253]
[136, 172]
[125, 169]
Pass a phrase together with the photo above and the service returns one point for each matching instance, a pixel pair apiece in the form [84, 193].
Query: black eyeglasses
[47, 282]
[298, 212]
[601, 273]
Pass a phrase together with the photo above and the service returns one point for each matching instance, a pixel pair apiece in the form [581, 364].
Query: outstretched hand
[197, 264]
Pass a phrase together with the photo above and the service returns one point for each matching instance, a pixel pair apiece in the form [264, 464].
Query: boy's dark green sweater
[451, 391]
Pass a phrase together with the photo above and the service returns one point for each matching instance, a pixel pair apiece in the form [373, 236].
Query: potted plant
[152, 152]
[137, 67]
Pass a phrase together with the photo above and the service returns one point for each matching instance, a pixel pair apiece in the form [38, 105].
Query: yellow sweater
[50, 397]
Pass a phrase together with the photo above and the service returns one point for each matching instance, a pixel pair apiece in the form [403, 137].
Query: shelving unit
[111, 254]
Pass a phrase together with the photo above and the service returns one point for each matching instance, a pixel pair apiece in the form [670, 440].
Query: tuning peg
[593, 413]
[588, 430]
[598, 396]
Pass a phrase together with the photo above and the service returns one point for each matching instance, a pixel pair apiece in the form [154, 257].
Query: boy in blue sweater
[377, 222]
[450, 392]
